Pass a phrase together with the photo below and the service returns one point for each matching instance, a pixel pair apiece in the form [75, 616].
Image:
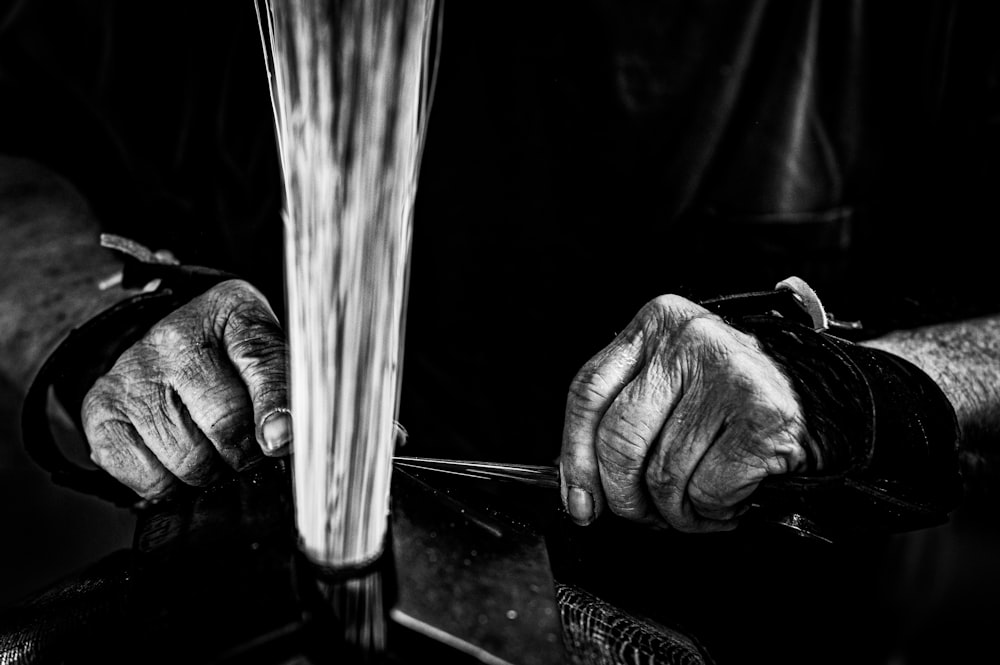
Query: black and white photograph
[595, 332]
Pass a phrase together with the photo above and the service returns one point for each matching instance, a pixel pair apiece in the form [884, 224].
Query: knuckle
[572, 462]
[95, 403]
[195, 371]
[703, 326]
[258, 342]
[235, 289]
[706, 332]
[668, 302]
[101, 404]
[663, 487]
[171, 335]
[106, 386]
[673, 305]
[224, 294]
[769, 439]
[657, 479]
[264, 349]
[766, 460]
[667, 494]
[236, 298]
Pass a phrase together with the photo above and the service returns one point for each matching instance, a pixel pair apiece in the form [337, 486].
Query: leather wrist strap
[885, 433]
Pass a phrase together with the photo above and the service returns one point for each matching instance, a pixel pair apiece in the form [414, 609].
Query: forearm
[50, 266]
[963, 358]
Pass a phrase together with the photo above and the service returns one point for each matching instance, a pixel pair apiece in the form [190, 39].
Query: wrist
[886, 457]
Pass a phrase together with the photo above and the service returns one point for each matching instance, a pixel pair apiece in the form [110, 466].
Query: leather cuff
[885, 434]
[91, 349]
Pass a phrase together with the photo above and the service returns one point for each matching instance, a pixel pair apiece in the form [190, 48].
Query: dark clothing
[581, 159]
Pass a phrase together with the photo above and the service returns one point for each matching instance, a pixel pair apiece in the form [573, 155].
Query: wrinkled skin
[677, 421]
[191, 398]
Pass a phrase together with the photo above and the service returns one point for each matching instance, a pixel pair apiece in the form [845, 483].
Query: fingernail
[276, 431]
[580, 505]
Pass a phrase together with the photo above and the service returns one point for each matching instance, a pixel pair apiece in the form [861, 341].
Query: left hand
[677, 421]
[203, 391]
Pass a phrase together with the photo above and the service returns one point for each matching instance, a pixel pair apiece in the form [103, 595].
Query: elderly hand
[203, 390]
[677, 421]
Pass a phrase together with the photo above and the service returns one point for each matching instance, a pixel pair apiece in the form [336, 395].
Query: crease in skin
[165, 428]
[655, 379]
[771, 435]
[803, 440]
[221, 412]
[194, 466]
[700, 431]
[699, 387]
[170, 335]
[722, 498]
[135, 467]
[191, 454]
[778, 423]
[588, 403]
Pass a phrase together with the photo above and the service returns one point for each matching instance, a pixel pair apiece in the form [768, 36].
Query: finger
[116, 447]
[722, 480]
[591, 393]
[693, 426]
[166, 428]
[732, 468]
[628, 432]
[256, 346]
[763, 437]
[219, 406]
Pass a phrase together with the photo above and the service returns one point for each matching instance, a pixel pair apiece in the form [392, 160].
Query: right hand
[677, 422]
[204, 390]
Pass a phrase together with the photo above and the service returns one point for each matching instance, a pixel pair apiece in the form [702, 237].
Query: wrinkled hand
[677, 421]
[191, 397]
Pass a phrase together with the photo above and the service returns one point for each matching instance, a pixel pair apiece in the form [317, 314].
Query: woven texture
[598, 633]
[69, 621]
